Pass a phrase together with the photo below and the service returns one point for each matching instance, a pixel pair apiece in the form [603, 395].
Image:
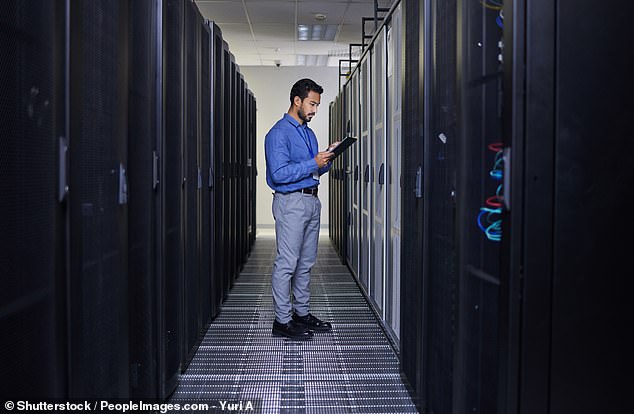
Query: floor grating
[352, 369]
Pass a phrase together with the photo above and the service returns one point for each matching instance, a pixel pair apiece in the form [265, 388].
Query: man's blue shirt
[290, 149]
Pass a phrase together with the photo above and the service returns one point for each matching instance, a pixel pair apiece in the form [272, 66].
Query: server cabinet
[412, 213]
[98, 302]
[216, 120]
[226, 213]
[32, 181]
[365, 159]
[191, 270]
[378, 193]
[480, 186]
[350, 175]
[240, 183]
[170, 190]
[152, 373]
[357, 173]
[232, 143]
[393, 171]
[439, 198]
[251, 191]
[570, 159]
[204, 178]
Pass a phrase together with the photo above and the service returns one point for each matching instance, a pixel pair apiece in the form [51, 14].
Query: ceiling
[290, 32]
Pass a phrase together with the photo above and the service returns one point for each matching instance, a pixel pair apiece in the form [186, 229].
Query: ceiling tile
[270, 31]
[271, 12]
[222, 11]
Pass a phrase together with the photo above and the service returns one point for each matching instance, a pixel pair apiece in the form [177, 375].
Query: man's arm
[278, 160]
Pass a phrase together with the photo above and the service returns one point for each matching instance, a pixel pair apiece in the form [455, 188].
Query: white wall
[271, 87]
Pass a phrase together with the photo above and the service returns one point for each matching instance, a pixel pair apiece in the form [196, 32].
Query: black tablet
[339, 149]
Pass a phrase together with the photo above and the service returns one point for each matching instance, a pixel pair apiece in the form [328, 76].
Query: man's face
[308, 107]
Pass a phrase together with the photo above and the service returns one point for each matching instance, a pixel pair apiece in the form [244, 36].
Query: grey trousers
[297, 217]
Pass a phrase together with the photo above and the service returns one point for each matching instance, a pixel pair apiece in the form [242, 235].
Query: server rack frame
[33, 178]
[101, 210]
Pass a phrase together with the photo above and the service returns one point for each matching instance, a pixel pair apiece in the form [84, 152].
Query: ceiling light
[316, 32]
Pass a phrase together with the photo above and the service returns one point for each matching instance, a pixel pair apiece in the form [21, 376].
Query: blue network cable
[493, 227]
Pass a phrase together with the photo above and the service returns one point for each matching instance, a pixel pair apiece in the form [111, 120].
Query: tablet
[339, 149]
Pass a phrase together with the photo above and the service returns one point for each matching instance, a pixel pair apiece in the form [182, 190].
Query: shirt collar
[293, 121]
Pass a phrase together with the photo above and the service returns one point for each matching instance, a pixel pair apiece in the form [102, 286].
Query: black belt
[311, 191]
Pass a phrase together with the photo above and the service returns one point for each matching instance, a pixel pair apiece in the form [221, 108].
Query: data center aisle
[352, 369]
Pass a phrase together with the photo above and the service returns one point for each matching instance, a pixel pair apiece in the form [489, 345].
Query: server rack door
[254, 168]
[191, 278]
[440, 189]
[226, 172]
[247, 172]
[412, 345]
[217, 172]
[347, 109]
[357, 173]
[394, 88]
[204, 183]
[146, 311]
[365, 158]
[98, 303]
[378, 166]
[479, 211]
[567, 211]
[31, 248]
[233, 254]
[241, 143]
[171, 188]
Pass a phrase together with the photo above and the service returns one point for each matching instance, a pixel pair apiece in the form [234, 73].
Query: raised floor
[352, 369]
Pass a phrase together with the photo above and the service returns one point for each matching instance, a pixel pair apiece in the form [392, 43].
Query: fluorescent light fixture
[316, 32]
[311, 60]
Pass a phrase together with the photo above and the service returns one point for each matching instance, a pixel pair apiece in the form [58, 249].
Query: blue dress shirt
[290, 149]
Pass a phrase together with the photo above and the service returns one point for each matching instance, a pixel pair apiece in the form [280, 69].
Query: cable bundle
[489, 219]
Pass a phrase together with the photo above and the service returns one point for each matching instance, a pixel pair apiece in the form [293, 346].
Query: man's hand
[323, 158]
[333, 145]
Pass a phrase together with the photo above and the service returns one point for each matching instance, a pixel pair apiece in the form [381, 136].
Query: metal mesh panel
[205, 142]
[99, 276]
[27, 182]
[191, 276]
[171, 178]
[142, 129]
[441, 161]
[351, 369]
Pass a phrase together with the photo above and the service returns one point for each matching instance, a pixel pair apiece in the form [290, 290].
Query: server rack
[171, 179]
[355, 161]
[393, 171]
[226, 213]
[191, 181]
[98, 285]
[377, 166]
[568, 302]
[365, 160]
[152, 373]
[33, 183]
[205, 208]
[109, 119]
[233, 227]
[412, 212]
[215, 160]
[217, 171]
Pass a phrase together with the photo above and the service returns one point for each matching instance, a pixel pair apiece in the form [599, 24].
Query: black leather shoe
[291, 330]
[312, 323]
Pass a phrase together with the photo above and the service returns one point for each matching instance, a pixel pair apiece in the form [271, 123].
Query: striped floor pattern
[352, 369]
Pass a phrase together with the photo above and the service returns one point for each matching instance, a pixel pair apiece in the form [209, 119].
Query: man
[293, 167]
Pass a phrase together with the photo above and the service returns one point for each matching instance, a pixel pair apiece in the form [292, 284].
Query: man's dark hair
[302, 87]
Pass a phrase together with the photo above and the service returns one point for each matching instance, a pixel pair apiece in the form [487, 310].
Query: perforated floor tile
[352, 369]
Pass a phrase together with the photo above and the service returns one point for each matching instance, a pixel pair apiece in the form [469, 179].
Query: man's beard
[303, 116]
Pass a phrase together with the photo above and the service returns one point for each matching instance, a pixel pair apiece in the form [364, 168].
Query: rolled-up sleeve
[278, 159]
